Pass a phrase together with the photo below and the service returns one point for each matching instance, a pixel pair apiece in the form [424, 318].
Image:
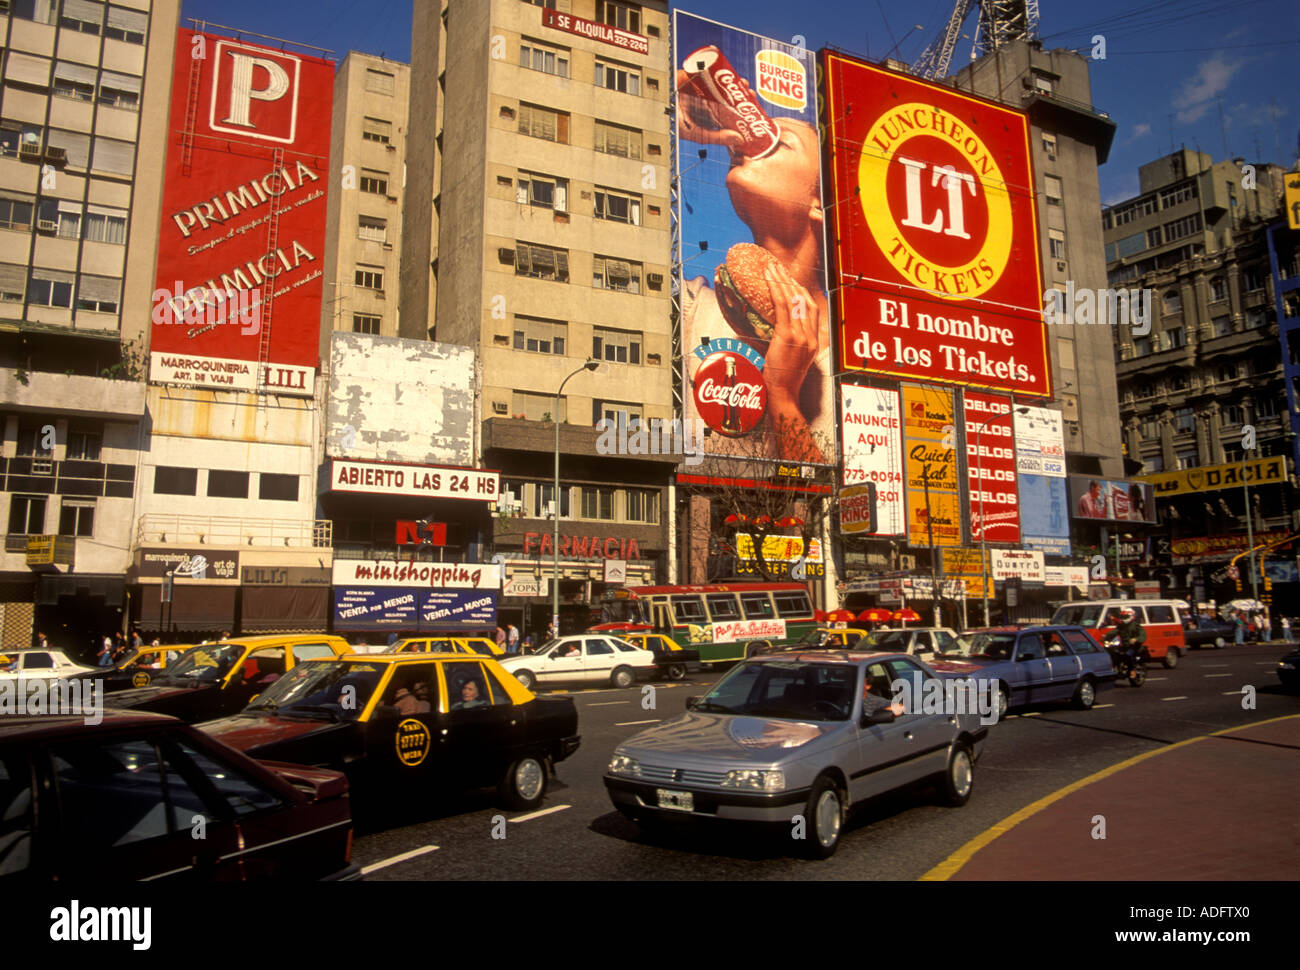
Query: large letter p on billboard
[242, 92]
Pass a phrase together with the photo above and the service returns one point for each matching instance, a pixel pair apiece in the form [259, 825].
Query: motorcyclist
[1132, 637]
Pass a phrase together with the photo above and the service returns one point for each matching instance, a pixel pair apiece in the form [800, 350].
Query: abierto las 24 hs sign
[936, 235]
[241, 250]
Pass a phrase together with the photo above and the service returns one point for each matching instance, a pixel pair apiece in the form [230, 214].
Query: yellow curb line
[951, 865]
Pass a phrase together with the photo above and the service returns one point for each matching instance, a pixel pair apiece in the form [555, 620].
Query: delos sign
[937, 244]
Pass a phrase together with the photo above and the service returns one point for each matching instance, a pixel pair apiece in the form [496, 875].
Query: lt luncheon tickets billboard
[936, 233]
[243, 218]
[755, 318]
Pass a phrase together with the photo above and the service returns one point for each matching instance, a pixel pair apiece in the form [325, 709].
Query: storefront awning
[284, 609]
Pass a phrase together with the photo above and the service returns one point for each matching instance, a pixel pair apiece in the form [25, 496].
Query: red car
[143, 796]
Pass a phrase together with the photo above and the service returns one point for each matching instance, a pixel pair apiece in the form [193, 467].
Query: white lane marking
[608, 703]
[1233, 693]
[1180, 698]
[1098, 707]
[1030, 714]
[1152, 680]
[539, 813]
[1216, 675]
[654, 720]
[1265, 663]
[394, 860]
[1216, 665]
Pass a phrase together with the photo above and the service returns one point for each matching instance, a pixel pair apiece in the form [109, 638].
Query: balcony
[72, 394]
[212, 530]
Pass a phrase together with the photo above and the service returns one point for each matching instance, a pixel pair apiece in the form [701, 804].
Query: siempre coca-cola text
[746, 396]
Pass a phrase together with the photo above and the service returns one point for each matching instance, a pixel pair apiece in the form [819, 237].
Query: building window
[1149, 429]
[1052, 190]
[77, 518]
[643, 506]
[546, 501]
[377, 130]
[277, 488]
[538, 122]
[80, 86]
[537, 407]
[541, 262]
[608, 273]
[546, 58]
[624, 16]
[597, 503]
[372, 228]
[101, 224]
[1178, 194]
[227, 484]
[1254, 318]
[50, 287]
[1227, 372]
[1178, 382]
[13, 282]
[15, 214]
[1172, 301]
[1266, 407]
[1175, 337]
[1154, 237]
[548, 4]
[617, 140]
[1156, 463]
[615, 206]
[1233, 414]
[1042, 84]
[1184, 420]
[1186, 460]
[380, 82]
[617, 346]
[365, 323]
[175, 481]
[1252, 278]
[1049, 146]
[1222, 326]
[1135, 210]
[370, 277]
[618, 77]
[374, 181]
[84, 445]
[31, 438]
[1142, 346]
[1218, 289]
[27, 515]
[119, 90]
[542, 190]
[40, 11]
[539, 336]
[85, 16]
[616, 412]
[1056, 242]
[126, 25]
[99, 294]
[1180, 228]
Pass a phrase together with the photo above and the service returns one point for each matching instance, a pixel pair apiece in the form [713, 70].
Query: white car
[919, 641]
[584, 658]
[33, 664]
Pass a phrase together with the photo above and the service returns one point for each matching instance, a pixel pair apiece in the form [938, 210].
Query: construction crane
[999, 22]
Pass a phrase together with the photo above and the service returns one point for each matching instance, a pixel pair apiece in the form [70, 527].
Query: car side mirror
[882, 716]
[691, 702]
[386, 712]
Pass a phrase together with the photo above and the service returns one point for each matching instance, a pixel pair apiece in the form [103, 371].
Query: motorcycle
[1129, 664]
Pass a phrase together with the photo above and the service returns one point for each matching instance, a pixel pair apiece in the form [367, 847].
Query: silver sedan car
[798, 739]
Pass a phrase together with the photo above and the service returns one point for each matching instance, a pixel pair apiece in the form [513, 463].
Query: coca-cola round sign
[730, 393]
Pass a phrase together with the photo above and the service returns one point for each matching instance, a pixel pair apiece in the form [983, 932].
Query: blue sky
[1173, 68]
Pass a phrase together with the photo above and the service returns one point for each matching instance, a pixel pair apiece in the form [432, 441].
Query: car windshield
[205, 664]
[784, 689]
[814, 638]
[889, 640]
[995, 646]
[1083, 614]
[334, 687]
[144, 658]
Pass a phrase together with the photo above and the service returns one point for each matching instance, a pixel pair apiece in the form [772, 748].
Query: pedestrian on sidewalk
[106, 651]
[512, 639]
[1286, 629]
[41, 641]
[1267, 623]
[1238, 629]
[501, 637]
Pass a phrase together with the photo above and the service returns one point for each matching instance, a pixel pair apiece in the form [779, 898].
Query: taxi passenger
[470, 696]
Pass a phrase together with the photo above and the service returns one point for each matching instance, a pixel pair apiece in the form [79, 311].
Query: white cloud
[1212, 78]
[1120, 189]
[1140, 130]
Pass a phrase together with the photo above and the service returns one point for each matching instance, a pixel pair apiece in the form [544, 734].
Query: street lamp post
[590, 364]
[1250, 530]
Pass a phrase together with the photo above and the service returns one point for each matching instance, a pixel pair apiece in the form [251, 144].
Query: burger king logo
[781, 80]
[730, 393]
[935, 200]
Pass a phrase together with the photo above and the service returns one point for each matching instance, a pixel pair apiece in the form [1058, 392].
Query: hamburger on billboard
[936, 233]
[755, 317]
[241, 254]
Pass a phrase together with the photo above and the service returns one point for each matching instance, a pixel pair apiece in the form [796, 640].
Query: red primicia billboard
[237, 302]
[936, 240]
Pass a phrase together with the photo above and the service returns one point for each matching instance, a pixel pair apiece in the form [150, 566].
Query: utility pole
[1250, 530]
[929, 527]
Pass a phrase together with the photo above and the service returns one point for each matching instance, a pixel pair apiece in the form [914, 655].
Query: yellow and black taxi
[139, 669]
[410, 720]
[215, 679]
[821, 638]
[670, 656]
[479, 646]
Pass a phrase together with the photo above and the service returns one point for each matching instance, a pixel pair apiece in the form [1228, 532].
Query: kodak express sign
[935, 231]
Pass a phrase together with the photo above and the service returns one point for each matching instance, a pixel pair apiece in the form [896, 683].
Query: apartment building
[1203, 391]
[538, 189]
[83, 114]
[363, 233]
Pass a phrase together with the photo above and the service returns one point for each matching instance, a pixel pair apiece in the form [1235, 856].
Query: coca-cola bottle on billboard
[731, 414]
[716, 99]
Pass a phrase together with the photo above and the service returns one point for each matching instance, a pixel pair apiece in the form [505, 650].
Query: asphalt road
[578, 835]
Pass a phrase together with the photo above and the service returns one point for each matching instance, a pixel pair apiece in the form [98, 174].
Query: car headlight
[621, 764]
[1283, 665]
[755, 780]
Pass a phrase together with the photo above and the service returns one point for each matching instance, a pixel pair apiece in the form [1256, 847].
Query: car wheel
[756, 648]
[1085, 695]
[1171, 658]
[959, 779]
[675, 671]
[824, 818]
[527, 678]
[622, 677]
[1220, 643]
[524, 784]
[1004, 701]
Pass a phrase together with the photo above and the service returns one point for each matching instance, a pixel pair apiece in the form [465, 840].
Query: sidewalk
[1217, 807]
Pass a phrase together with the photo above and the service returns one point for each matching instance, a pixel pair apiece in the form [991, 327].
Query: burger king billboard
[936, 233]
[240, 262]
[755, 313]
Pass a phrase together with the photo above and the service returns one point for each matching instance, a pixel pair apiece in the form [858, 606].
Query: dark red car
[143, 797]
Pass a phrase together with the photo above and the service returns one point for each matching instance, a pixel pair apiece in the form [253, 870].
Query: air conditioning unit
[58, 156]
[655, 279]
[506, 256]
[500, 407]
[1060, 266]
[46, 225]
[379, 295]
[30, 150]
[388, 245]
[42, 466]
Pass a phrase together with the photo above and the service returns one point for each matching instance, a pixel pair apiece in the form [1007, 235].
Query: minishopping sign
[935, 229]
[241, 250]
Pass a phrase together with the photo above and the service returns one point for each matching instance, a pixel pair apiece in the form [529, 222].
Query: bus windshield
[623, 611]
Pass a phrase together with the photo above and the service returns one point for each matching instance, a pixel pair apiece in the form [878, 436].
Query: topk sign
[256, 93]
[937, 243]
